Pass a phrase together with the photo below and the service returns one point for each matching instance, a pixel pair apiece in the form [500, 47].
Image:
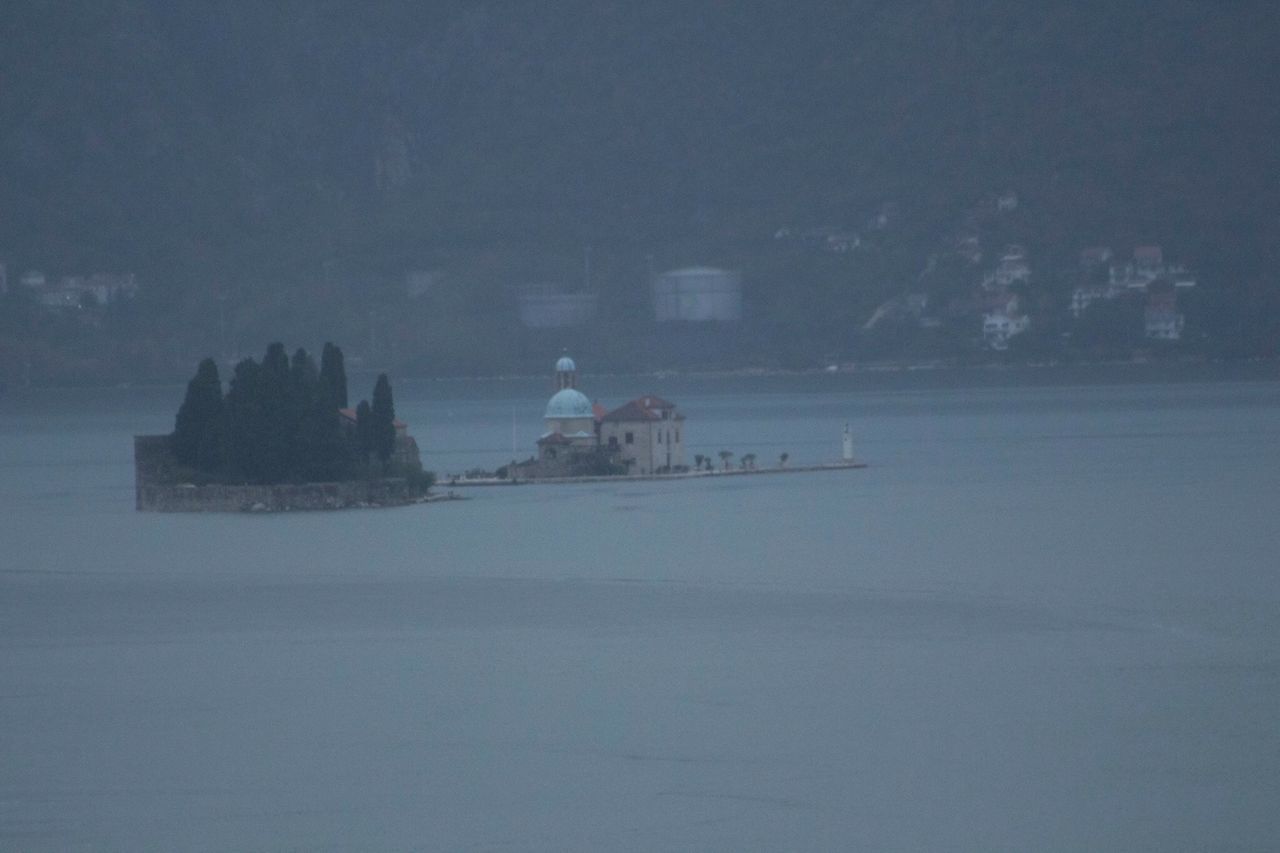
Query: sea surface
[1045, 617]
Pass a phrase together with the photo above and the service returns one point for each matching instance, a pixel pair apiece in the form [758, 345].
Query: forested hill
[197, 143]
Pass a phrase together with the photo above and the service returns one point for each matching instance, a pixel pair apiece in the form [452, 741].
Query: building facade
[569, 413]
[647, 434]
[581, 438]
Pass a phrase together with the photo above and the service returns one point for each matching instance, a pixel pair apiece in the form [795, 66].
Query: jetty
[459, 481]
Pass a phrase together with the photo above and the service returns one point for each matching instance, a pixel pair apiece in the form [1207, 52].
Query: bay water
[1046, 616]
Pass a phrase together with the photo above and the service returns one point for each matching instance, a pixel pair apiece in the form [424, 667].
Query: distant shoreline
[1262, 368]
[1172, 370]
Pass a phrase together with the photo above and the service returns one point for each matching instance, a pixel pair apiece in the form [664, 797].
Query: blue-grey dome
[565, 365]
[568, 403]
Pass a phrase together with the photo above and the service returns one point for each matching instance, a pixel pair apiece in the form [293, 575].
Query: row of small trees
[748, 461]
[278, 421]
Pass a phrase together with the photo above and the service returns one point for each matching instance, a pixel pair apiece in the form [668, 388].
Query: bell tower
[566, 373]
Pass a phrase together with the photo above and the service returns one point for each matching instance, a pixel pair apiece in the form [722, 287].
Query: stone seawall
[279, 498]
[158, 489]
[682, 475]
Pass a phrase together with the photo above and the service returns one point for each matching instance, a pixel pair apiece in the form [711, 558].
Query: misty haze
[639, 426]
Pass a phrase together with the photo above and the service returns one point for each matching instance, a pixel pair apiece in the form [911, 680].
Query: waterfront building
[582, 438]
[1003, 323]
[647, 434]
[569, 418]
[1161, 318]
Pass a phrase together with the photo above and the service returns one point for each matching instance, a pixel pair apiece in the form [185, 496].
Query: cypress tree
[302, 371]
[277, 422]
[330, 454]
[303, 449]
[276, 362]
[383, 417]
[364, 431]
[276, 428]
[197, 427]
[246, 421]
[333, 376]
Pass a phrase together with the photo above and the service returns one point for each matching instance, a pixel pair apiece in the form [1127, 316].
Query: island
[280, 438]
[643, 439]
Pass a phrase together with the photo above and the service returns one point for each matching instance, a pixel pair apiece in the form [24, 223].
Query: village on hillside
[973, 293]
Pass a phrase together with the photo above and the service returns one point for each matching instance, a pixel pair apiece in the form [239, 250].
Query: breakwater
[625, 478]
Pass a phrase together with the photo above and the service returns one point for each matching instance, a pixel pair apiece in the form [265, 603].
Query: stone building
[581, 438]
[569, 445]
[569, 412]
[647, 434]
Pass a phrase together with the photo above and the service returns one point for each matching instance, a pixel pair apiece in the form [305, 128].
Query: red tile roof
[647, 408]
[350, 414]
[632, 411]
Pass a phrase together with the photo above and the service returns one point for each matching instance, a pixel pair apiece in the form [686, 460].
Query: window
[613, 442]
[659, 436]
[631, 438]
[677, 436]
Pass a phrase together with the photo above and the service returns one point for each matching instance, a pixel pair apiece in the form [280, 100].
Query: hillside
[294, 162]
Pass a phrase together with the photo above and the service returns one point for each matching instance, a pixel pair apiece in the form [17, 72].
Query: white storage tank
[698, 294]
[545, 307]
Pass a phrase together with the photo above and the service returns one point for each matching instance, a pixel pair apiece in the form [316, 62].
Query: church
[580, 438]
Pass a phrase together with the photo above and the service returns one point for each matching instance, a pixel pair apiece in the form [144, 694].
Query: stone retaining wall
[682, 475]
[278, 498]
[158, 491]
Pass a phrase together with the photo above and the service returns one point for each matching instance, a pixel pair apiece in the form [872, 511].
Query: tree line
[279, 422]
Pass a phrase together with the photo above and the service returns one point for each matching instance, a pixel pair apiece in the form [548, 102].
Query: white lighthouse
[847, 444]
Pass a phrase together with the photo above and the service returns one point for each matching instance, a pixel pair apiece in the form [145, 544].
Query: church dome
[565, 365]
[568, 403]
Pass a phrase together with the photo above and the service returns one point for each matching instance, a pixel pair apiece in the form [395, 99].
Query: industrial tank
[698, 294]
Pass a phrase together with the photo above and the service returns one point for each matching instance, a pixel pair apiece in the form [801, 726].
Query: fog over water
[1047, 616]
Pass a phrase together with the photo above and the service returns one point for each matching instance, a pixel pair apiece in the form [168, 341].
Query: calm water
[1046, 617]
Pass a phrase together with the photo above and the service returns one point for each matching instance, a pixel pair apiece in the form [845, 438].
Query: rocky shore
[158, 488]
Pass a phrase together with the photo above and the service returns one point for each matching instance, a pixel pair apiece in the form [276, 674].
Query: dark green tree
[364, 431]
[1111, 326]
[277, 423]
[333, 376]
[383, 418]
[302, 404]
[198, 426]
[321, 453]
[302, 371]
[246, 420]
[277, 429]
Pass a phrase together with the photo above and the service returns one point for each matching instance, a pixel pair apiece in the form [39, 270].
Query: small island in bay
[282, 437]
[643, 439]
